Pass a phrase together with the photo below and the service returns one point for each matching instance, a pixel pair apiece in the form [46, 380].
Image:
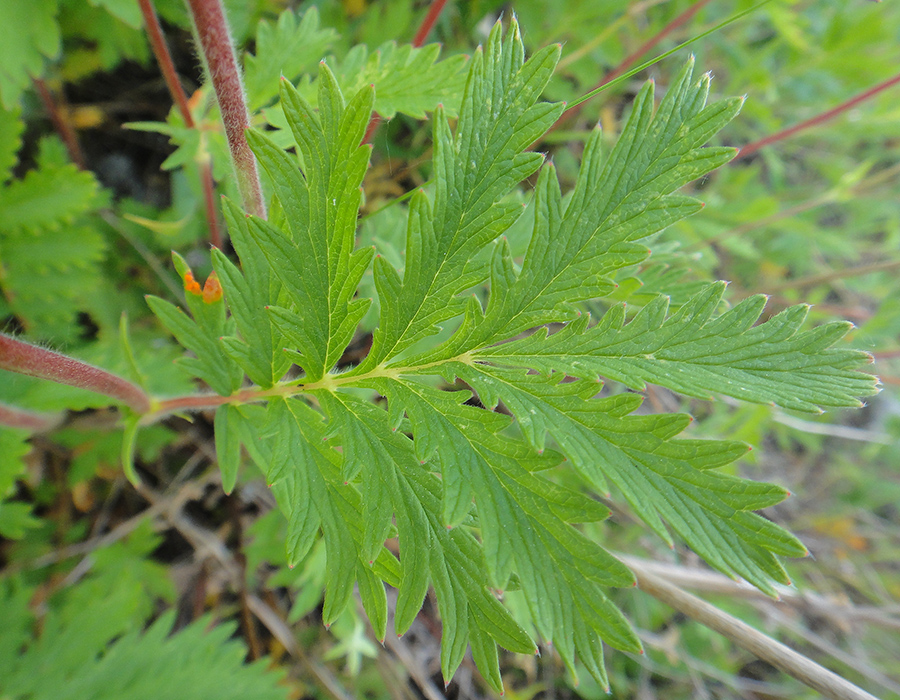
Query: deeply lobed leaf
[471, 491]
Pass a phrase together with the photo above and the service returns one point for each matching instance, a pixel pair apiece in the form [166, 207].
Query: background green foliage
[811, 219]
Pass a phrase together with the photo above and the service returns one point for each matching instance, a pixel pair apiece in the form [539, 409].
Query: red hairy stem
[818, 119]
[13, 417]
[633, 58]
[24, 358]
[428, 23]
[62, 126]
[221, 63]
[167, 66]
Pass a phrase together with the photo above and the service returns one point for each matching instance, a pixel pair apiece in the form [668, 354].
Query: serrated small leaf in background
[290, 47]
[11, 128]
[29, 34]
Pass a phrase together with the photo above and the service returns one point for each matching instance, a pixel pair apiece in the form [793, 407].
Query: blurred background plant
[102, 178]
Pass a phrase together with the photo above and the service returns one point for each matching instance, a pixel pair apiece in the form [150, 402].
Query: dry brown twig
[760, 645]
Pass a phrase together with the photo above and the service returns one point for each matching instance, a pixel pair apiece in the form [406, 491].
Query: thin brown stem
[825, 277]
[62, 125]
[428, 23]
[202, 402]
[760, 645]
[818, 119]
[34, 361]
[209, 202]
[164, 58]
[221, 63]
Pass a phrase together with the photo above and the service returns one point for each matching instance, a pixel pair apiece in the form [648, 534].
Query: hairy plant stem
[221, 63]
[164, 58]
[34, 361]
[818, 119]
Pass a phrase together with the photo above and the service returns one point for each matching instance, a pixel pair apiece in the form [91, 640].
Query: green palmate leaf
[49, 254]
[49, 275]
[29, 34]
[47, 198]
[659, 476]
[304, 473]
[472, 494]
[408, 80]
[522, 517]
[287, 48]
[695, 353]
[450, 558]
[194, 663]
[247, 295]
